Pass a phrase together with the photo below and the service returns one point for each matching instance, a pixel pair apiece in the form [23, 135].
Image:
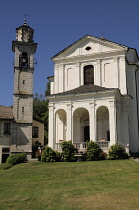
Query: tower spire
[25, 19]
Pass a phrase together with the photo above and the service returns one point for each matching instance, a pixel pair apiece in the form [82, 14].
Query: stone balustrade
[82, 145]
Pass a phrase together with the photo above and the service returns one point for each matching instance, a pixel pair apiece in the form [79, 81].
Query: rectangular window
[6, 150]
[7, 128]
[23, 81]
[35, 132]
[22, 110]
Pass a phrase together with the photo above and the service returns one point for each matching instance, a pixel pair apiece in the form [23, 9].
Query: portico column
[113, 122]
[69, 122]
[51, 142]
[92, 121]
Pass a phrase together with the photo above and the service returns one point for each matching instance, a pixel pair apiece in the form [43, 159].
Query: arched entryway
[60, 125]
[103, 131]
[81, 125]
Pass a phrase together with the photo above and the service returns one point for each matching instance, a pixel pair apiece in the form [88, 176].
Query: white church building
[94, 95]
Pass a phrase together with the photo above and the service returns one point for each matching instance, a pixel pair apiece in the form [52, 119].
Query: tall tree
[40, 109]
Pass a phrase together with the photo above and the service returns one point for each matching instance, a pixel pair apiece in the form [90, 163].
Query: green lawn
[71, 186]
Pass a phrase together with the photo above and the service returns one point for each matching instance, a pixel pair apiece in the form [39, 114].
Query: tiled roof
[6, 112]
[86, 89]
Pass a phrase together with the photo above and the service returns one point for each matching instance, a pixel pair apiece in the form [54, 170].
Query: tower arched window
[24, 60]
[88, 75]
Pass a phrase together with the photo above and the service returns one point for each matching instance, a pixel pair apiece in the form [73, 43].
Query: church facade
[94, 95]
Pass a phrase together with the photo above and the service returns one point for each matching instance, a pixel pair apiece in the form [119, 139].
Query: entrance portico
[79, 118]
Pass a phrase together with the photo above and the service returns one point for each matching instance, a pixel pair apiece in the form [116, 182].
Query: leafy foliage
[68, 151]
[49, 155]
[117, 152]
[47, 91]
[15, 159]
[93, 151]
[40, 111]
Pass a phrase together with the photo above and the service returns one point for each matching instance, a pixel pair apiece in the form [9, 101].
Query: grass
[72, 186]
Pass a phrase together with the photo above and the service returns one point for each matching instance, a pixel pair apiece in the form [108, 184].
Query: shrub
[49, 155]
[39, 157]
[117, 152]
[68, 151]
[93, 151]
[15, 159]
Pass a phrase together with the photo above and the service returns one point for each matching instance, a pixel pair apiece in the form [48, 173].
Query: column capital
[115, 59]
[125, 107]
[112, 103]
[122, 58]
[69, 106]
[99, 61]
[56, 67]
[51, 107]
[77, 64]
[61, 65]
[92, 104]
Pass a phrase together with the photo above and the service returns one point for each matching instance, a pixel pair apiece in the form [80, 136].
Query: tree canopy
[40, 109]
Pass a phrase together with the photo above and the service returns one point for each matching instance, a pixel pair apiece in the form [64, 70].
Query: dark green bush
[68, 151]
[15, 159]
[49, 155]
[93, 151]
[39, 157]
[117, 152]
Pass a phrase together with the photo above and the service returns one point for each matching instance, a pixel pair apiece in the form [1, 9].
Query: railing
[57, 146]
[103, 144]
[82, 145]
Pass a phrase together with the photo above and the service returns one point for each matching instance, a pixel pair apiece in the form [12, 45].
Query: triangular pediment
[88, 45]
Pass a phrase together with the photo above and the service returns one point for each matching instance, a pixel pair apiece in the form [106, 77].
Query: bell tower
[24, 49]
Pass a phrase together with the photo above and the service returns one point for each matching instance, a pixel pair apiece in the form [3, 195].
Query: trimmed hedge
[94, 152]
[49, 155]
[117, 152]
[68, 151]
[15, 159]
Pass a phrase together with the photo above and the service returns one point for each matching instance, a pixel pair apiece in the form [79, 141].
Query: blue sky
[57, 24]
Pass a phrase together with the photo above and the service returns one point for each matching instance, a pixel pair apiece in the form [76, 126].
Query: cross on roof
[25, 19]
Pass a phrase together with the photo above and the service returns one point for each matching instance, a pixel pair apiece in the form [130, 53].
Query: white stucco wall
[111, 70]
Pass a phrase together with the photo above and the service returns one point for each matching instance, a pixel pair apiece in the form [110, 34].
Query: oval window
[88, 48]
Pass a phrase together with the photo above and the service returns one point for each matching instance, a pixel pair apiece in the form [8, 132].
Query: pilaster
[97, 73]
[61, 78]
[122, 72]
[78, 74]
[116, 71]
[56, 87]
[126, 123]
